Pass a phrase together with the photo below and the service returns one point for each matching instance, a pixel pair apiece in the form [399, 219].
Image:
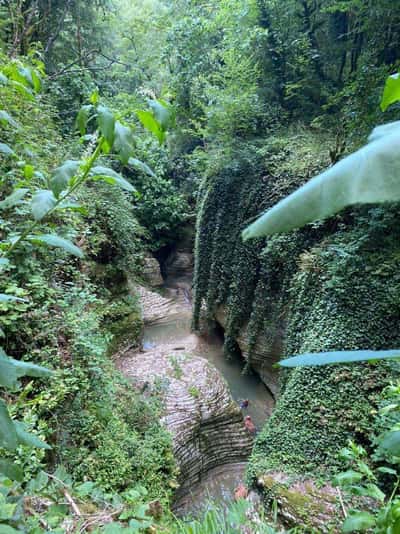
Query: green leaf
[163, 113]
[83, 117]
[370, 175]
[29, 171]
[62, 176]
[391, 93]
[3, 79]
[124, 142]
[6, 529]
[391, 443]
[11, 370]
[23, 90]
[5, 118]
[326, 358]
[140, 166]
[8, 432]
[358, 522]
[106, 122]
[42, 202]
[29, 439]
[10, 298]
[111, 177]
[347, 478]
[5, 149]
[14, 199]
[54, 240]
[150, 123]
[387, 470]
[11, 470]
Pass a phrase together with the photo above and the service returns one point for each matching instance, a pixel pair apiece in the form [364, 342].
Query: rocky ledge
[206, 424]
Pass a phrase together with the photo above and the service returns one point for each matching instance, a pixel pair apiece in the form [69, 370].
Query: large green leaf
[8, 432]
[5, 149]
[163, 113]
[140, 166]
[27, 438]
[6, 529]
[150, 123]
[10, 298]
[106, 122]
[358, 522]
[391, 443]
[62, 176]
[14, 199]
[5, 118]
[54, 240]
[11, 470]
[111, 177]
[370, 175]
[391, 93]
[124, 142]
[42, 202]
[83, 117]
[347, 478]
[326, 358]
[11, 370]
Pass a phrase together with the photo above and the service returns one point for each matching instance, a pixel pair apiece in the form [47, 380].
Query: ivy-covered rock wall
[331, 285]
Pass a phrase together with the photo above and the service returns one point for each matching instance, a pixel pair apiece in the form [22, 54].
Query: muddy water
[219, 484]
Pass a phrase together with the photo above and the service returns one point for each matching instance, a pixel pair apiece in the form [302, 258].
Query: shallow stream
[220, 483]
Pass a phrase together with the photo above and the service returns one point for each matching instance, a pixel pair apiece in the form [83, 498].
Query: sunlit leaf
[106, 122]
[111, 177]
[326, 358]
[391, 93]
[370, 175]
[42, 202]
[5, 118]
[140, 166]
[150, 123]
[83, 117]
[58, 242]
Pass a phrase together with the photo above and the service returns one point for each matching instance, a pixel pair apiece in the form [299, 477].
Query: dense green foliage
[228, 107]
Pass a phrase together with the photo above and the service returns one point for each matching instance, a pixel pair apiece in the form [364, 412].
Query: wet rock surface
[152, 272]
[263, 355]
[205, 422]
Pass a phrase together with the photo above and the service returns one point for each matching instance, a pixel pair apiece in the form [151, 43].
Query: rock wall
[263, 355]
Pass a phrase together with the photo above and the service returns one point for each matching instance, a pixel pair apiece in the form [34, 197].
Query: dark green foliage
[328, 286]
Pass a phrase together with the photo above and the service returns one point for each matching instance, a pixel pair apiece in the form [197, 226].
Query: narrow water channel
[220, 483]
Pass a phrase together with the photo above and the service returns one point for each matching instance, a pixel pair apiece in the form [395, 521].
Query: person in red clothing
[248, 423]
[241, 492]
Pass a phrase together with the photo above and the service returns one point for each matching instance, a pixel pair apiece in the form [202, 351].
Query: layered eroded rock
[206, 424]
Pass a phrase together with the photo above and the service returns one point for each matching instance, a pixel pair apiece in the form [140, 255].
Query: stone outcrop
[301, 503]
[152, 272]
[206, 424]
[179, 263]
[265, 353]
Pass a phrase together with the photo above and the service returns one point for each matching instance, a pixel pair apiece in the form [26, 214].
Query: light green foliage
[234, 520]
[361, 480]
